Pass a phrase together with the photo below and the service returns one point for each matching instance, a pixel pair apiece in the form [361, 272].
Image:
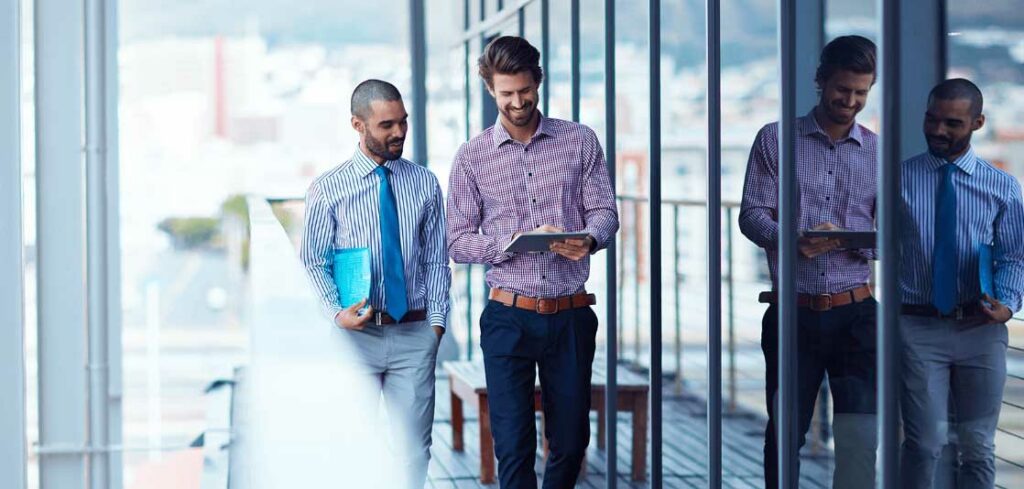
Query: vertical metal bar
[714, 209]
[469, 268]
[60, 239]
[787, 426]
[636, 281]
[731, 288]
[521, 22]
[810, 38]
[612, 286]
[469, 312]
[545, 35]
[418, 56]
[677, 289]
[574, 35]
[654, 159]
[112, 182]
[466, 71]
[888, 193]
[96, 236]
[12, 338]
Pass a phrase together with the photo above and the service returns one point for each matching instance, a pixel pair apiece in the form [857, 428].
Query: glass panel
[28, 203]
[215, 105]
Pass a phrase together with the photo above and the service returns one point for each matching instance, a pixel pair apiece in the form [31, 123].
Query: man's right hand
[349, 318]
[814, 247]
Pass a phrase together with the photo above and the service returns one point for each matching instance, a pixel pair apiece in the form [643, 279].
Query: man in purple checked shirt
[532, 173]
[836, 170]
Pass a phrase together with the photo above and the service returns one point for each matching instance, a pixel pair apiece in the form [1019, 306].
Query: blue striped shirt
[989, 212]
[342, 211]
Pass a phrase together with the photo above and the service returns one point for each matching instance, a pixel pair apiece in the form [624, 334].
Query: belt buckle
[959, 313]
[537, 307]
[814, 303]
[377, 316]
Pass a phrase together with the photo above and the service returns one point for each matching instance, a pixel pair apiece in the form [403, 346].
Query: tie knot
[381, 171]
[948, 169]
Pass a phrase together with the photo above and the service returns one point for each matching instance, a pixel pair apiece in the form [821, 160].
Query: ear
[358, 124]
[979, 122]
[490, 90]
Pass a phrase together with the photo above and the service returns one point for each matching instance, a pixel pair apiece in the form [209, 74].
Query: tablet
[533, 242]
[850, 239]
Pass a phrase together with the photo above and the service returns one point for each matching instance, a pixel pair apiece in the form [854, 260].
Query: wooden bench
[468, 384]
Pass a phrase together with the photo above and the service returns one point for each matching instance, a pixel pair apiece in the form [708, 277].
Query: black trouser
[840, 342]
[560, 346]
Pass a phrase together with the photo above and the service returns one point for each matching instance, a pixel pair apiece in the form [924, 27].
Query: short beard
[955, 147]
[380, 149]
[526, 121]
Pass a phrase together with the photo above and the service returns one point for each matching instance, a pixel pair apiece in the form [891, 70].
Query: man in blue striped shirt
[961, 279]
[392, 208]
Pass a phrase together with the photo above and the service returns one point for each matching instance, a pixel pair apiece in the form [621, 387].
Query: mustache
[394, 141]
[941, 139]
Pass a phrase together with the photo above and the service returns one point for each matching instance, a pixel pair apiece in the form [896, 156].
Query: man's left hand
[995, 311]
[438, 331]
[573, 249]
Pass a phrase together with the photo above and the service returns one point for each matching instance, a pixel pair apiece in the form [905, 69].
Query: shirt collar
[968, 162]
[364, 165]
[809, 125]
[500, 134]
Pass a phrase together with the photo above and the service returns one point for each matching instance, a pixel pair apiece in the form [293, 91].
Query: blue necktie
[944, 261]
[391, 248]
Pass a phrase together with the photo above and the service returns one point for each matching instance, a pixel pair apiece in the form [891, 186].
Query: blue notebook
[985, 270]
[352, 274]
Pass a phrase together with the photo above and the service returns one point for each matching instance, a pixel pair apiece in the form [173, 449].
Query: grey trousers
[947, 365]
[400, 358]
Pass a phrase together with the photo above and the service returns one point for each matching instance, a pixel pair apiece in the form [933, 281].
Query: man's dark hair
[959, 89]
[509, 55]
[850, 53]
[371, 91]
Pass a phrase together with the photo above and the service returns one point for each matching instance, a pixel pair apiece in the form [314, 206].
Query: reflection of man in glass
[836, 169]
[961, 278]
[532, 173]
[394, 209]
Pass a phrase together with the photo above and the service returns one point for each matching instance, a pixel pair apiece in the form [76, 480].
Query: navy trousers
[841, 343]
[560, 347]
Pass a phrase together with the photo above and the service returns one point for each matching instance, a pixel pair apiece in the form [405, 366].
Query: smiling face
[383, 130]
[948, 125]
[844, 95]
[516, 96]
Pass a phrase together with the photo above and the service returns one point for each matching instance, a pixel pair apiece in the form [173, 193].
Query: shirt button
[828, 198]
[832, 147]
[830, 172]
[525, 149]
[822, 274]
[544, 277]
[530, 174]
[534, 201]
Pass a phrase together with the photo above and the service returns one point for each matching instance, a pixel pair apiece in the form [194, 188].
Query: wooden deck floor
[684, 450]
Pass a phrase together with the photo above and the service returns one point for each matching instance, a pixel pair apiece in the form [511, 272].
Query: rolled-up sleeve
[1008, 250]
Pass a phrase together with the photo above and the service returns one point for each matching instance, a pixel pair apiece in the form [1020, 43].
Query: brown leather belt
[543, 305]
[380, 318]
[822, 302]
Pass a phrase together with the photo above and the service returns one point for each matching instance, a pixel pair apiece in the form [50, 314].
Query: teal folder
[352, 274]
[985, 271]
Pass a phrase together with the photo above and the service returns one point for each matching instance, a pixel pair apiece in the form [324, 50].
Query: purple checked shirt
[836, 184]
[499, 186]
